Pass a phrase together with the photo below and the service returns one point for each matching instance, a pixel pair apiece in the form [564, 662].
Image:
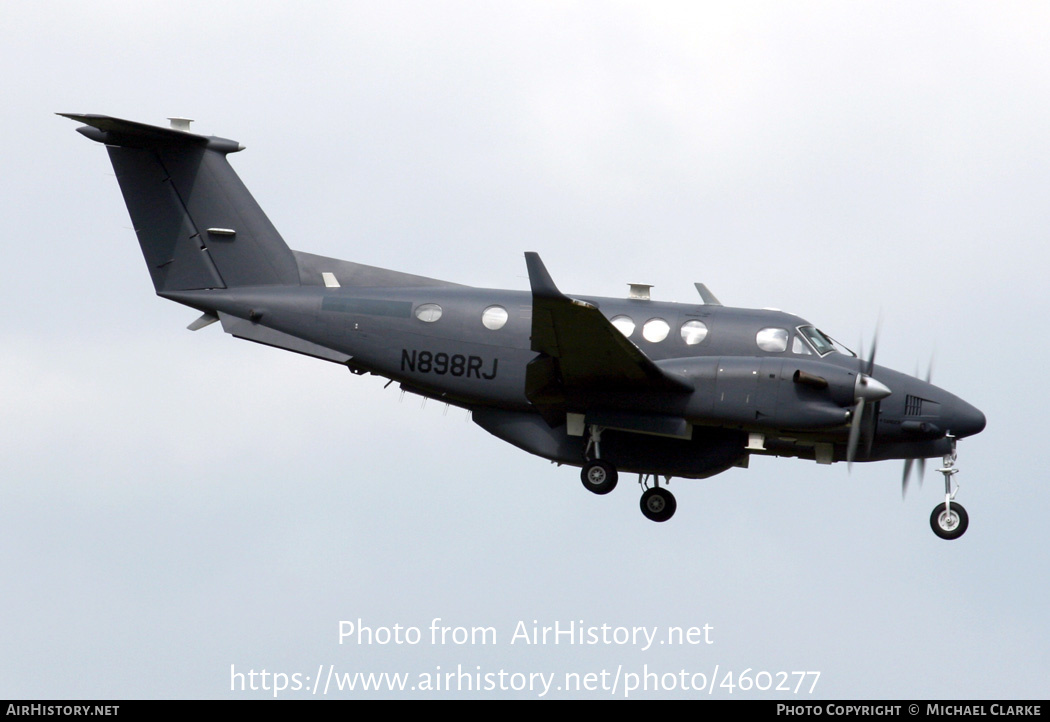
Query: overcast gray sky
[174, 503]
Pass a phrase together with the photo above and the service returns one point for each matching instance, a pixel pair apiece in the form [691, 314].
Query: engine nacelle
[762, 392]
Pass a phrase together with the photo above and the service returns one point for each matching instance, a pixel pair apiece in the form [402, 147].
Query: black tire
[949, 524]
[658, 504]
[599, 476]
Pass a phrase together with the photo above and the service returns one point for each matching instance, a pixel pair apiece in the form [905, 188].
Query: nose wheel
[949, 520]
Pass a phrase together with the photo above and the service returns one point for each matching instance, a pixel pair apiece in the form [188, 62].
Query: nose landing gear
[949, 520]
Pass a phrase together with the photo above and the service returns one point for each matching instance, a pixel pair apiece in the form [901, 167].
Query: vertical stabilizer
[196, 222]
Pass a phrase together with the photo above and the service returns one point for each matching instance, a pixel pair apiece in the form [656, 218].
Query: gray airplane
[607, 384]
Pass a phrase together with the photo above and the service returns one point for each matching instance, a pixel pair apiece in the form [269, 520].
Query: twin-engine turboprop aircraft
[607, 384]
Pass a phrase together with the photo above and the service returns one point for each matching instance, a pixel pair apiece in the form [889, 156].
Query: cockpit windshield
[821, 342]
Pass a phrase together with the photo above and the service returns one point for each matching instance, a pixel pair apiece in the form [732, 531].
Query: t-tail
[197, 224]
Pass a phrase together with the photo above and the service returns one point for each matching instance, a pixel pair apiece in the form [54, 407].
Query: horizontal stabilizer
[241, 328]
[130, 134]
[206, 319]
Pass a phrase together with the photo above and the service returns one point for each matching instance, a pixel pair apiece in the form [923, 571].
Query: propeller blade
[854, 432]
[871, 423]
[874, 345]
[863, 425]
[866, 386]
[908, 464]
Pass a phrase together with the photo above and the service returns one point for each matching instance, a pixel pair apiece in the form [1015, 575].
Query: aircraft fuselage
[737, 386]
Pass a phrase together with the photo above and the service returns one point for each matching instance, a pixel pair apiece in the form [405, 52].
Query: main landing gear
[599, 477]
[657, 503]
[949, 520]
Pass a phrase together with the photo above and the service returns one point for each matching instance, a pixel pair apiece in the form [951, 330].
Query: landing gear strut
[597, 476]
[949, 520]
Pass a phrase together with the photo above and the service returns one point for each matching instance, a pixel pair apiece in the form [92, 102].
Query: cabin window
[428, 312]
[773, 340]
[693, 332]
[624, 325]
[494, 318]
[655, 330]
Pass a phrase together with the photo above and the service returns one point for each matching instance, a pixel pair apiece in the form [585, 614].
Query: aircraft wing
[581, 351]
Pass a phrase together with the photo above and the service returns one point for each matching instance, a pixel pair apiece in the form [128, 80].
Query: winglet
[540, 280]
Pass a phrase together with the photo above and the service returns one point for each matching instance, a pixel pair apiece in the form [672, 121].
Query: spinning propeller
[908, 463]
[867, 392]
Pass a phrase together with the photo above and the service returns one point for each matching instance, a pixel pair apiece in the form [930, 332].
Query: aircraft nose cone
[966, 420]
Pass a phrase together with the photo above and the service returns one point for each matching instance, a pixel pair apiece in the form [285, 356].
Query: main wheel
[658, 504]
[949, 523]
[599, 476]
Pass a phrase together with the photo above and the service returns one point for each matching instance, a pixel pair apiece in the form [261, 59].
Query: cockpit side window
[799, 346]
[821, 342]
